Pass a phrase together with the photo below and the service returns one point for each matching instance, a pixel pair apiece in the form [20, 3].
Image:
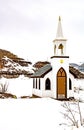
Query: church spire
[59, 41]
[59, 29]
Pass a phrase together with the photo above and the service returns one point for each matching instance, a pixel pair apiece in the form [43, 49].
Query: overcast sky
[28, 27]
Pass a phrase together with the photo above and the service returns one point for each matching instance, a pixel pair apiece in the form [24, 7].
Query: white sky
[28, 27]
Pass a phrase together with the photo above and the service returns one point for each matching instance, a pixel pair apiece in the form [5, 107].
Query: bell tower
[60, 65]
[59, 41]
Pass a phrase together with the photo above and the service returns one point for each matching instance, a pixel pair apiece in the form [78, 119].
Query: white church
[54, 80]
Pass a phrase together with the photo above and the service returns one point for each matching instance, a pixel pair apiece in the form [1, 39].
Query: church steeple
[59, 29]
[59, 42]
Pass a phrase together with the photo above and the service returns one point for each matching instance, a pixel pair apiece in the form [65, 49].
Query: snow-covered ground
[21, 86]
[33, 114]
[79, 87]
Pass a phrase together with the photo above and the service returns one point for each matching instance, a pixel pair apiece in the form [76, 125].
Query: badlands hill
[11, 66]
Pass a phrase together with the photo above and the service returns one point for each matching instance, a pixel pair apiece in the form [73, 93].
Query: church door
[61, 84]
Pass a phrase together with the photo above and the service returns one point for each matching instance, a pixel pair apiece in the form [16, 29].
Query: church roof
[45, 67]
[41, 72]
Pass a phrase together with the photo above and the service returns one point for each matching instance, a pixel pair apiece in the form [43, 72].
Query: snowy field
[36, 114]
[21, 86]
[33, 114]
[29, 114]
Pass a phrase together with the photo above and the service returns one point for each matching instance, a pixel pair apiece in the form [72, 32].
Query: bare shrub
[3, 87]
[71, 113]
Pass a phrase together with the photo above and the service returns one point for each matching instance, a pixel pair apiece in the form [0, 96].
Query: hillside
[11, 66]
[8, 54]
[40, 64]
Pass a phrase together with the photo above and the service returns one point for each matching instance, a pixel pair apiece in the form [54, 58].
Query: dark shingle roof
[42, 71]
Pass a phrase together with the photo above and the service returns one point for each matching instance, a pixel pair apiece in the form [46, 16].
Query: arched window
[61, 48]
[47, 84]
[70, 84]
